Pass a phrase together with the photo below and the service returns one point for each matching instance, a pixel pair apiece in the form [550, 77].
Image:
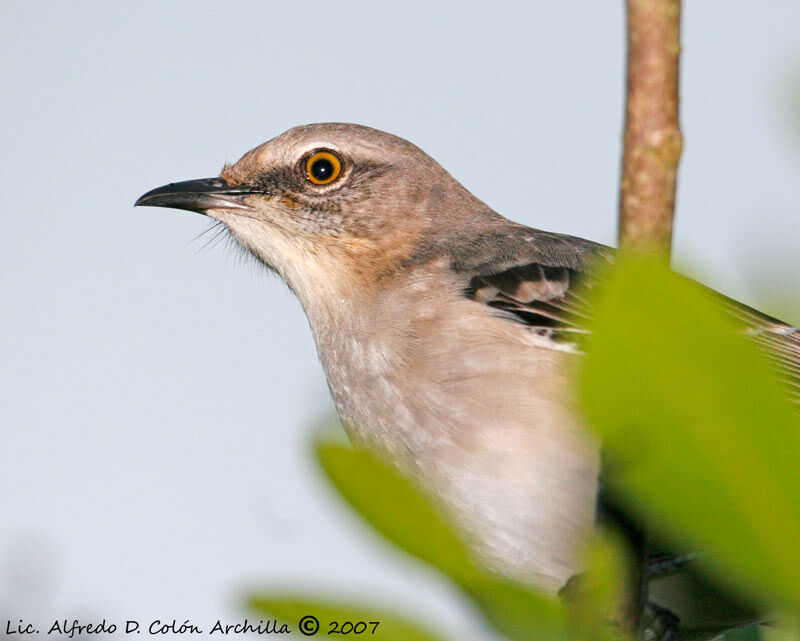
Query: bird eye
[323, 167]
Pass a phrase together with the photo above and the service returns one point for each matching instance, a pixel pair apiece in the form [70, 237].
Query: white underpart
[475, 406]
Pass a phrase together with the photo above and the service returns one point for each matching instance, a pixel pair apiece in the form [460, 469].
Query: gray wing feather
[537, 278]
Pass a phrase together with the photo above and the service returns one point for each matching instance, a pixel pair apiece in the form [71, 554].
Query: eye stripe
[323, 167]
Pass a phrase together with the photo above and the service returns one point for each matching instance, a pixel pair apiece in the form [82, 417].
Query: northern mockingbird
[444, 329]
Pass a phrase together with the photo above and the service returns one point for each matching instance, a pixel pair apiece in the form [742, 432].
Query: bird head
[331, 205]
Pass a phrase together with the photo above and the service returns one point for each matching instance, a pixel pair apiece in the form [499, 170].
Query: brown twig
[652, 133]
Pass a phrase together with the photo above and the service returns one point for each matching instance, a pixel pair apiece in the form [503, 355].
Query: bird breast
[477, 410]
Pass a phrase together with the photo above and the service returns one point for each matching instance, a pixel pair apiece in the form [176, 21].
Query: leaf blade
[701, 434]
[291, 608]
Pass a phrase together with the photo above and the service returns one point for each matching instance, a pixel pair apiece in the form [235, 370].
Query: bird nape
[447, 334]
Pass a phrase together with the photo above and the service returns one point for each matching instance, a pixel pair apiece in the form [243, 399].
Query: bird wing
[540, 279]
[532, 277]
[778, 340]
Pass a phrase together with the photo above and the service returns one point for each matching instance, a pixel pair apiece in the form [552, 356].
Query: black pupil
[322, 169]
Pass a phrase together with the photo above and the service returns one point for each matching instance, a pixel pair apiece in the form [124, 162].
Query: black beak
[196, 195]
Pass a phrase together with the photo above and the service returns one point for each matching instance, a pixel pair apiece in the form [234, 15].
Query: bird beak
[197, 195]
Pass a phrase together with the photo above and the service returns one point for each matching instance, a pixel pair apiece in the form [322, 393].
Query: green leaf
[408, 517]
[749, 633]
[784, 628]
[518, 611]
[600, 596]
[399, 509]
[700, 436]
[293, 608]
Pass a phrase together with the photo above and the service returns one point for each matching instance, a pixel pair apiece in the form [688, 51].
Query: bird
[447, 332]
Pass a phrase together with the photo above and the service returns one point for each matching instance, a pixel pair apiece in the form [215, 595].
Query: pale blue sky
[156, 400]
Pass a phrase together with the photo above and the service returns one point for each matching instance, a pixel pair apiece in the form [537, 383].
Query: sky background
[157, 398]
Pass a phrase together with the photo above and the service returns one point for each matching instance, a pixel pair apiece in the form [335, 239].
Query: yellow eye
[322, 168]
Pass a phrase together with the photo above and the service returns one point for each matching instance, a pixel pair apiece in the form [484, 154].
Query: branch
[652, 133]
